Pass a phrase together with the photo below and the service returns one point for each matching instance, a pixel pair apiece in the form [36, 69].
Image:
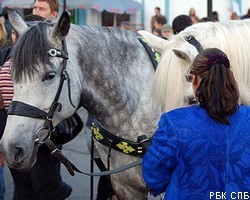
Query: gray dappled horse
[107, 71]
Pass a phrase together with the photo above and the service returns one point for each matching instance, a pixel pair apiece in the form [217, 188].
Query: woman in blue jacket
[203, 151]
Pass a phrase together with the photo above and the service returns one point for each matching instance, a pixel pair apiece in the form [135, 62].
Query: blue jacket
[193, 157]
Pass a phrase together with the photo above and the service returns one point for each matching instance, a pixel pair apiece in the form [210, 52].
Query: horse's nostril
[18, 155]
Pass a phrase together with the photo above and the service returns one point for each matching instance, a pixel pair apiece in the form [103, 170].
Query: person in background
[215, 16]
[159, 22]
[5, 18]
[166, 31]
[126, 25]
[246, 16]
[3, 117]
[180, 23]
[46, 8]
[4, 43]
[205, 19]
[157, 14]
[157, 32]
[202, 149]
[234, 16]
[194, 17]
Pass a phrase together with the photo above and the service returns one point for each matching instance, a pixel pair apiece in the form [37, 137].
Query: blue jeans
[2, 186]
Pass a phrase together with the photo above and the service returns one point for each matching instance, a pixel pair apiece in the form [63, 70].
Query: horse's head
[172, 86]
[40, 65]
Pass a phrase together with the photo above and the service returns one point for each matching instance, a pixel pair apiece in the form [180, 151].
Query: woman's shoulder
[244, 107]
[185, 111]
[243, 111]
[185, 116]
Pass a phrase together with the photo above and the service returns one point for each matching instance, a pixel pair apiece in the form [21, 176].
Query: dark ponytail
[218, 91]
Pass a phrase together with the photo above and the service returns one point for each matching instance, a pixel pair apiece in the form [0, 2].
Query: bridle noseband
[26, 110]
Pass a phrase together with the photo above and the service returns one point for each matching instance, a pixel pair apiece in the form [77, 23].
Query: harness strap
[153, 54]
[191, 39]
[117, 143]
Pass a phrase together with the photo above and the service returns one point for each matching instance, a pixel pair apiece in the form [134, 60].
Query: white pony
[232, 37]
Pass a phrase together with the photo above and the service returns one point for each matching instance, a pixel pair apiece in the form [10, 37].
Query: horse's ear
[61, 28]
[154, 41]
[182, 55]
[16, 21]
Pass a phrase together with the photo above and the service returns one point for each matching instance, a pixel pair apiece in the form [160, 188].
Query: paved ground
[77, 152]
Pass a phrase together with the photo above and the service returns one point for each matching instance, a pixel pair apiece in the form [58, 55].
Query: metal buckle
[189, 37]
[54, 52]
[37, 139]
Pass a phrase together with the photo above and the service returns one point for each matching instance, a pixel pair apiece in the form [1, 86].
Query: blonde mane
[170, 87]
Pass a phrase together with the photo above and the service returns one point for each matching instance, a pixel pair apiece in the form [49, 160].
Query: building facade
[170, 8]
[173, 8]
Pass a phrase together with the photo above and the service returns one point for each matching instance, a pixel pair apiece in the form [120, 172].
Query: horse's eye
[189, 77]
[49, 76]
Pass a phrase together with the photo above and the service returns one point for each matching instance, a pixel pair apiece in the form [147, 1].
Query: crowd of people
[161, 27]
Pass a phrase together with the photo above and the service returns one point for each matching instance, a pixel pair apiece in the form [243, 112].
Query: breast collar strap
[153, 54]
[117, 143]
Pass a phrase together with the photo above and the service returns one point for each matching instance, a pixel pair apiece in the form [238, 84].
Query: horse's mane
[32, 47]
[30, 50]
[232, 37]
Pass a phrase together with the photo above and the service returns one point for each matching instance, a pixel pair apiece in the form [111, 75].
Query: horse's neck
[118, 80]
[121, 104]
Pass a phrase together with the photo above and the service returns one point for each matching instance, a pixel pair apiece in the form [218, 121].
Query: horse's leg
[127, 191]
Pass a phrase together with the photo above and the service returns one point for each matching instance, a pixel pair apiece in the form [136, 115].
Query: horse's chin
[27, 163]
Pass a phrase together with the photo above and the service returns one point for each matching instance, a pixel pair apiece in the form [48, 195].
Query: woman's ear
[195, 83]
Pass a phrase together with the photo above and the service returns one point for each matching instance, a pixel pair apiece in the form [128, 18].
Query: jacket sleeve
[160, 160]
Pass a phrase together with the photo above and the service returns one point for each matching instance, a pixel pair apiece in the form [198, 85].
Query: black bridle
[26, 110]
[192, 40]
